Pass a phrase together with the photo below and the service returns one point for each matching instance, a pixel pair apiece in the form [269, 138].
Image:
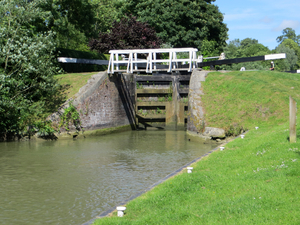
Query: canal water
[72, 181]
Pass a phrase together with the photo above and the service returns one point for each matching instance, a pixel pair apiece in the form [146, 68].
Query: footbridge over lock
[152, 60]
[162, 93]
[159, 94]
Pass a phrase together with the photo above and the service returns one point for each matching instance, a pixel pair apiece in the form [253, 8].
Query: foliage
[289, 62]
[42, 128]
[246, 48]
[72, 21]
[288, 33]
[27, 87]
[128, 33]
[158, 111]
[70, 116]
[293, 45]
[139, 85]
[106, 13]
[182, 23]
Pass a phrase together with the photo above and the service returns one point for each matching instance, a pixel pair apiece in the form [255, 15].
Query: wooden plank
[184, 77]
[293, 111]
[153, 91]
[230, 61]
[244, 59]
[151, 103]
[154, 78]
[83, 61]
[152, 116]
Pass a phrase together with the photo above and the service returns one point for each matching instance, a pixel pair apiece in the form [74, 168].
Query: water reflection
[70, 182]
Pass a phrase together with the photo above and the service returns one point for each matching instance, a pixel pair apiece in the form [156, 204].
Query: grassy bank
[248, 98]
[254, 180]
[72, 82]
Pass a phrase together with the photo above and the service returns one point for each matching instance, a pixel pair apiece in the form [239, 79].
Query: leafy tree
[126, 34]
[293, 45]
[106, 13]
[183, 23]
[289, 62]
[248, 47]
[27, 85]
[72, 21]
[288, 33]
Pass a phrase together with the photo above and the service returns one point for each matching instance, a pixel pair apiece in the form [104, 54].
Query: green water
[72, 181]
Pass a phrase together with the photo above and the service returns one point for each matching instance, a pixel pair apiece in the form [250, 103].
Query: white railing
[130, 59]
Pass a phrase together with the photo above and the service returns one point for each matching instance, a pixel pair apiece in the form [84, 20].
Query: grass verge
[253, 181]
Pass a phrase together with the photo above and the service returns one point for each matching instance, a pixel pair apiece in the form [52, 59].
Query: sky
[262, 20]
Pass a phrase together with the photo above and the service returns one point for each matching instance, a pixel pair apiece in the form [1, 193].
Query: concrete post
[293, 110]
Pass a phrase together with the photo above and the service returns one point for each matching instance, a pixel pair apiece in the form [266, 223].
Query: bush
[126, 34]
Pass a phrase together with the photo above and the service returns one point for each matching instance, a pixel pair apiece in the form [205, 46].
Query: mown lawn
[255, 180]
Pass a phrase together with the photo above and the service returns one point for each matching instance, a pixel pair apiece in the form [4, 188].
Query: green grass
[248, 98]
[72, 82]
[254, 180]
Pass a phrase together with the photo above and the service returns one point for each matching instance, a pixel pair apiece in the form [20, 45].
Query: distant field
[72, 82]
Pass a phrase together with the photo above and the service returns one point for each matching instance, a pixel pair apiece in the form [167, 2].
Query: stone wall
[196, 116]
[106, 101]
[104, 108]
[196, 121]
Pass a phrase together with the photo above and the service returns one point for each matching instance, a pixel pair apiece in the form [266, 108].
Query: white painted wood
[66, 60]
[151, 61]
[275, 56]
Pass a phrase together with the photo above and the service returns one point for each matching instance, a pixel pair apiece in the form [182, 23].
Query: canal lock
[161, 101]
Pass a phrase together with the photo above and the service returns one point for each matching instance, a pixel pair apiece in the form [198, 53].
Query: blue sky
[263, 20]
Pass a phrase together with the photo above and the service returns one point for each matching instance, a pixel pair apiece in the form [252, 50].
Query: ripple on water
[70, 182]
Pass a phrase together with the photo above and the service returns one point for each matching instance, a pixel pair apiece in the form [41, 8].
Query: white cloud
[287, 23]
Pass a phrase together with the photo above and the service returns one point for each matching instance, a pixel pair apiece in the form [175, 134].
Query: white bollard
[222, 148]
[242, 136]
[256, 128]
[189, 169]
[121, 210]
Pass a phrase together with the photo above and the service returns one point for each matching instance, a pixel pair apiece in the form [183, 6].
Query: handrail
[151, 60]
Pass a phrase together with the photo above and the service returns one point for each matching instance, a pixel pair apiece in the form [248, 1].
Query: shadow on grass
[58, 99]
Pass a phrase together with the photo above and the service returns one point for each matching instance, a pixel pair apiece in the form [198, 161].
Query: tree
[126, 34]
[248, 47]
[293, 45]
[183, 23]
[289, 62]
[72, 21]
[27, 85]
[105, 14]
[288, 33]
